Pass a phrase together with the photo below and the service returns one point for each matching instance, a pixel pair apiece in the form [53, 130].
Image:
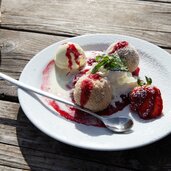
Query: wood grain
[143, 19]
[6, 168]
[160, 1]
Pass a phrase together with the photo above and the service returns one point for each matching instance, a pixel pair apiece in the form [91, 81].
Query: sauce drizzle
[118, 46]
[72, 49]
[86, 87]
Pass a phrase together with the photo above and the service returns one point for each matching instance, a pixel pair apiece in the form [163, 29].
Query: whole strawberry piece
[146, 100]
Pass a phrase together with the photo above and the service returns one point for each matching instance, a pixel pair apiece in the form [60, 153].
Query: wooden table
[29, 26]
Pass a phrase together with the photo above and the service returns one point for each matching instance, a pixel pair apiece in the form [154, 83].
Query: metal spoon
[116, 124]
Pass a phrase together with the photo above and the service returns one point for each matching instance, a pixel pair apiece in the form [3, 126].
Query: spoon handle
[46, 94]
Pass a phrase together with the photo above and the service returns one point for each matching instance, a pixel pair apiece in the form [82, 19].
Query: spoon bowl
[115, 124]
[118, 124]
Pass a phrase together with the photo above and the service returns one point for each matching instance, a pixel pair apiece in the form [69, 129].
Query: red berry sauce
[77, 76]
[94, 76]
[72, 49]
[136, 72]
[118, 46]
[118, 106]
[46, 71]
[76, 115]
[86, 87]
[90, 61]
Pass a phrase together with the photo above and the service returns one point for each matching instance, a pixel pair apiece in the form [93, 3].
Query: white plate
[155, 63]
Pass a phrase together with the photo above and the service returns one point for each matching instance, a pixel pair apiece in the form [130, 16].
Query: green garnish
[141, 82]
[109, 62]
[148, 80]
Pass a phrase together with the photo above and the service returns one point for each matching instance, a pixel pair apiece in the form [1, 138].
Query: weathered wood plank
[28, 159]
[160, 1]
[18, 137]
[17, 48]
[0, 11]
[144, 19]
[6, 168]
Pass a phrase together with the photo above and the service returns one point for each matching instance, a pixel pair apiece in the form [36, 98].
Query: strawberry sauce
[136, 72]
[94, 76]
[118, 46]
[86, 87]
[118, 106]
[90, 61]
[76, 115]
[77, 76]
[46, 71]
[72, 49]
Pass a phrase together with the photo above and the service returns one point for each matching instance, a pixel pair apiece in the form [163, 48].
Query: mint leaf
[97, 67]
[99, 58]
[109, 62]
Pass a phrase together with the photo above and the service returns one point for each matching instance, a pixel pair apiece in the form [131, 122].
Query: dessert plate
[154, 63]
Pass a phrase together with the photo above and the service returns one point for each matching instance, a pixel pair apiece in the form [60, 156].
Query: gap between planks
[96, 17]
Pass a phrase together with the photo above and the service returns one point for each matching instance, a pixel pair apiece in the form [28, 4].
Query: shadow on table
[44, 153]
